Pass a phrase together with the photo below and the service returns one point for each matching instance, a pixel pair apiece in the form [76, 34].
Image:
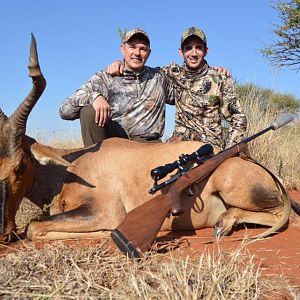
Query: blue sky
[79, 37]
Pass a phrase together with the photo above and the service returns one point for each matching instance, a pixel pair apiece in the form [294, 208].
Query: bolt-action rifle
[137, 232]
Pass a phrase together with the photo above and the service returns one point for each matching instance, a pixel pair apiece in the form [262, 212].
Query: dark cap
[136, 31]
[193, 31]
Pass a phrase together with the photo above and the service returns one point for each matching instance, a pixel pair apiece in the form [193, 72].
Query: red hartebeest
[92, 189]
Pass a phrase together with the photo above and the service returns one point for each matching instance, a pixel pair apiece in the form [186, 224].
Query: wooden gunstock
[137, 232]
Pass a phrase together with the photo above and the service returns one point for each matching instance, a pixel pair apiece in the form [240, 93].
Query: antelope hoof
[223, 226]
[32, 233]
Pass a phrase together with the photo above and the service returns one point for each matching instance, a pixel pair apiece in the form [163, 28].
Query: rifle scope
[162, 171]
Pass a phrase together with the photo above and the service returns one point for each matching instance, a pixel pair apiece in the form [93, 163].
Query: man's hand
[222, 70]
[116, 68]
[102, 111]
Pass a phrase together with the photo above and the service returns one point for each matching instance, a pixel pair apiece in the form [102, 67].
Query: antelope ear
[45, 155]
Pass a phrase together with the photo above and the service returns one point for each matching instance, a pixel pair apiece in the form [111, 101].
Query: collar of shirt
[131, 75]
[193, 74]
[146, 73]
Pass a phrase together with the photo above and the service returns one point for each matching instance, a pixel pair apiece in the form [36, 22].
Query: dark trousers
[92, 133]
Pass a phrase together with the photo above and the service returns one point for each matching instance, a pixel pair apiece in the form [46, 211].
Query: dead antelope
[92, 189]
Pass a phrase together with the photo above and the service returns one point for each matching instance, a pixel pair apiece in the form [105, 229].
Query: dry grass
[97, 272]
[26, 212]
[59, 139]
[278, 150]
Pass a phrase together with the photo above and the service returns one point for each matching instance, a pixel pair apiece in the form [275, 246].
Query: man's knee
[91, 132]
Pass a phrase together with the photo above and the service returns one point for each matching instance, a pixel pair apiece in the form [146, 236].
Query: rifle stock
[137, 232]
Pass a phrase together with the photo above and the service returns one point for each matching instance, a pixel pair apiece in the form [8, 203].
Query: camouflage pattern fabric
[129, 34]
[137, 100]
[207, 108]
[193, 31]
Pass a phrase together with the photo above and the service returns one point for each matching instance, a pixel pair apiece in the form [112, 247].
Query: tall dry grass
[278, 150]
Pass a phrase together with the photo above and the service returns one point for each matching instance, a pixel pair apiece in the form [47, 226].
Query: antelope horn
[20, 116]
[2, 116]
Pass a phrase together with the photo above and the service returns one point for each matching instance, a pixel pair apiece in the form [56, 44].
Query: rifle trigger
[189, 191]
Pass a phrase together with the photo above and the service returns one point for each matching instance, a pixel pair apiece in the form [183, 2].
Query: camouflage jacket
[137, 100]
[207, 108]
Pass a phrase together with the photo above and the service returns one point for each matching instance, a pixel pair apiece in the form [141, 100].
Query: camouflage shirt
[137, 100]
[207, 108]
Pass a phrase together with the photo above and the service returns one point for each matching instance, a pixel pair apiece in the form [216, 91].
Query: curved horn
[2, 116]
[20, 116]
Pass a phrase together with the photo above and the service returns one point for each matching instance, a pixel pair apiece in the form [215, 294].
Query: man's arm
[232, 112]
[93, 92]
[116, 68]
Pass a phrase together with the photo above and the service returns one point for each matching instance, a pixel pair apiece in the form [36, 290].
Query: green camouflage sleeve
[169, 71]
[85, 95]
[169, 89]
[232, 113]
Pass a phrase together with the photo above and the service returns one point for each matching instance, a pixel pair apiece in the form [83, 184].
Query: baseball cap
[193, 31]
[129, 34]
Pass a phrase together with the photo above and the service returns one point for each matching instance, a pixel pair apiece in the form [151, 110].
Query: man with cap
[131, 106]
[207, 107]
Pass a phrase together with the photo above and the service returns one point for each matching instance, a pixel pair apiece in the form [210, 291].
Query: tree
[122, 33]
[285, 51]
